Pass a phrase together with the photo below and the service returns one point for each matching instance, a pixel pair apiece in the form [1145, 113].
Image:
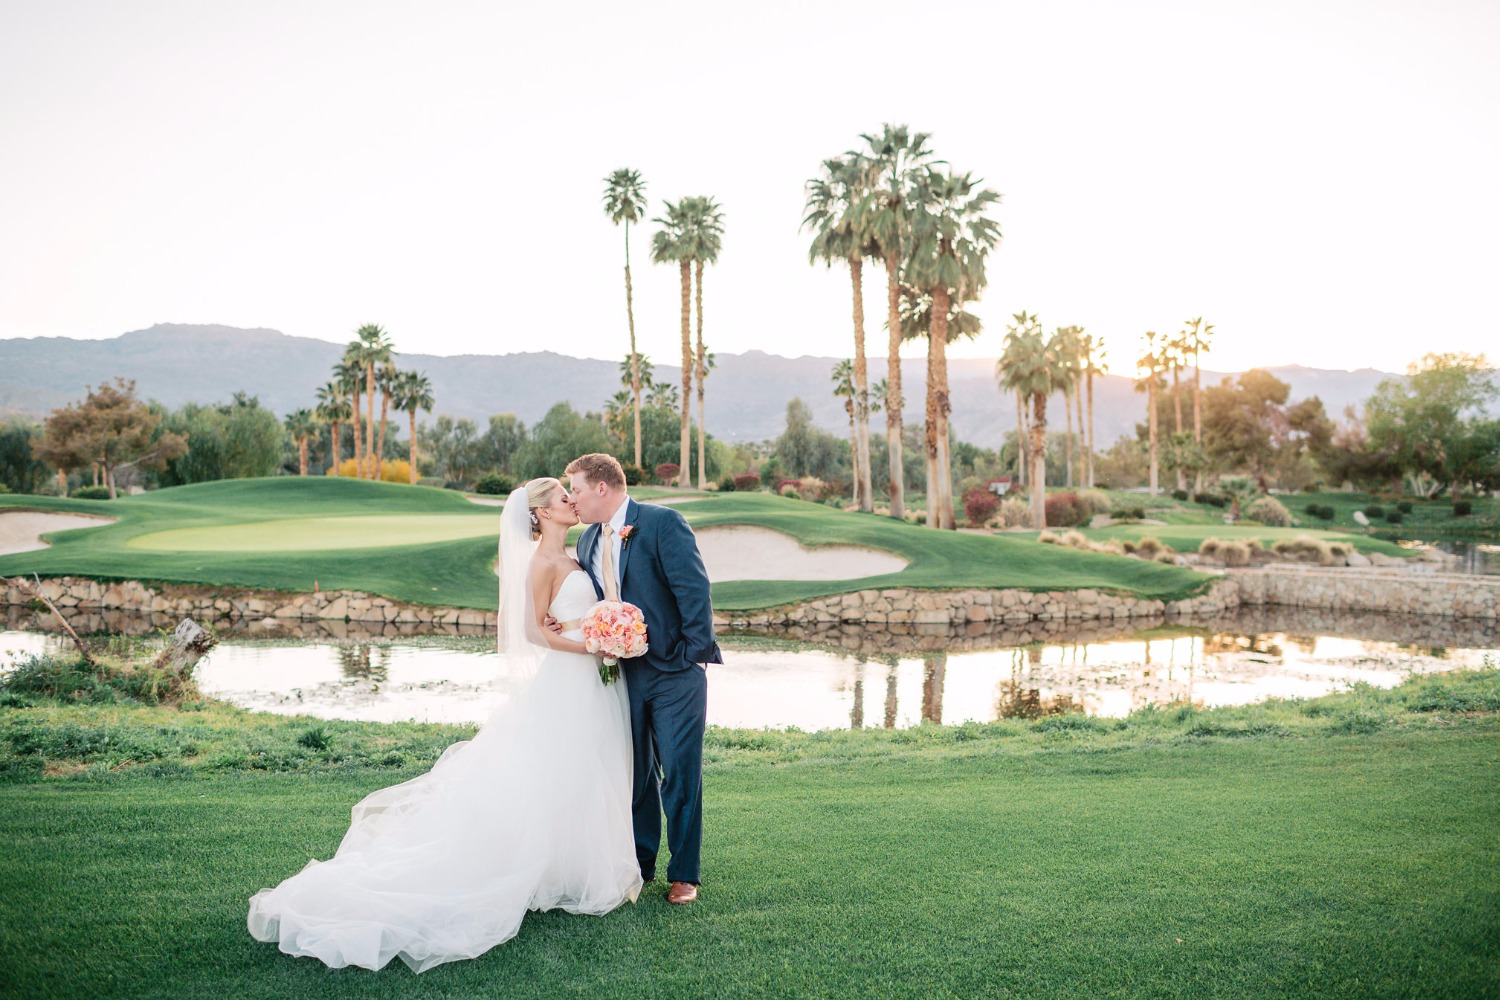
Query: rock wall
[1433, 595]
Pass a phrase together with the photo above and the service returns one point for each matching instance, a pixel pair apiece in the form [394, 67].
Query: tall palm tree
[1093, 364]
[1029, 365]
[1199, 335]
[896, 153]
[1176, 352]
[386, 378]
[301, 425]
[372, 349]
[350, 373]
[1069, 341]
[625, 202]
[333, 406]
[843, 388]
[691, 237]
[706, 362]
[839, 212]
[952, 238]
[413, 392]
[1151, 364]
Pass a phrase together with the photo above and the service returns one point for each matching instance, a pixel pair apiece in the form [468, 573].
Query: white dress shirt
[616, 523]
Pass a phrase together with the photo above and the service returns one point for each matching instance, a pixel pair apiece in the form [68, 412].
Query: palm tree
[350, 374]
[333, 406]
[691, 237]
[625, 202]
[1151, 364]
[896, 154]
[1198, 336]
[839, 214]
[1029, 365]
[1069, 341]
[707, 362]
[951, 240]
[386, 378]
[413, 392]
[843, 388]
[372, 348]
[1176, 353]
[300, 426]
[1093, 364]
[917, 322]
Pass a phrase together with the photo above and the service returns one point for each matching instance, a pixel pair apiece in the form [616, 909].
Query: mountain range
[746, 399]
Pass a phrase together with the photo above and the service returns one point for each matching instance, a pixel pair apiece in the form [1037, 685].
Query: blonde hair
[539, 494]
[599, 468]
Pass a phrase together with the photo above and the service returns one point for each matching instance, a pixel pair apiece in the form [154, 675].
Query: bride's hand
[552, 625]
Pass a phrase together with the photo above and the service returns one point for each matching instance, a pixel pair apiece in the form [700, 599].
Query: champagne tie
[607, 557]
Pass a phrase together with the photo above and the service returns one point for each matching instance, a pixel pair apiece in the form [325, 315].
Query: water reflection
[891, 680]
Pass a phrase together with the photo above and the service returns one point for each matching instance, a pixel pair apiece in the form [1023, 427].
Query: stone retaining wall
[1396, 591]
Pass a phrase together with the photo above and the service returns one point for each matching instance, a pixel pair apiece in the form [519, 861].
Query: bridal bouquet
[617, 631]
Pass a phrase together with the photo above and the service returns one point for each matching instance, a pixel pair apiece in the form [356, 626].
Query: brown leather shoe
[682, 892]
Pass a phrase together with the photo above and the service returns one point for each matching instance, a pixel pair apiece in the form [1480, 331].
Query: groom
[648, 557]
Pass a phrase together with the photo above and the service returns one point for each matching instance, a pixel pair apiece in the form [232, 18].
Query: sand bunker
[736, 552]
[21, 530]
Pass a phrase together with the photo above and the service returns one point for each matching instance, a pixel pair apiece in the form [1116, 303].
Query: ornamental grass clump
[1231, 552]
[1304, 548]
[1150, 547]
[1095, 501]
[1015, 513]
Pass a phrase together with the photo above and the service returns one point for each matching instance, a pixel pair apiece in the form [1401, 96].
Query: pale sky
[1317, 178]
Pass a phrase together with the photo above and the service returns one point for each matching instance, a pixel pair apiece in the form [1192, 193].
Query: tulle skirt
[531, 814]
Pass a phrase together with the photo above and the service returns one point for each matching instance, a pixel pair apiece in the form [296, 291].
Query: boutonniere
[625, 534]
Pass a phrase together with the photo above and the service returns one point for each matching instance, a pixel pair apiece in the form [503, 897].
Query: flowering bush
[666, 473]
[398, 471]
[1065, 511]
[746, 483]
[980, 505]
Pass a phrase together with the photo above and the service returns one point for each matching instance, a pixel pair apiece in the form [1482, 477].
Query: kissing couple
[557, 801]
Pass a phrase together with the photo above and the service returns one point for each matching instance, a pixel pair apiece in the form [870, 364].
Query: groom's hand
[552, 624]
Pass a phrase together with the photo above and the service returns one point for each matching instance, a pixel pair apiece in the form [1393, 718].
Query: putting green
[311, 534]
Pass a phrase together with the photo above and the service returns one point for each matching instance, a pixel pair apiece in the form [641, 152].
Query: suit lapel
[586, 552]
[631, 514]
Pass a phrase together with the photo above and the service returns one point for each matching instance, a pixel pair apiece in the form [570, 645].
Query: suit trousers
[668, 712]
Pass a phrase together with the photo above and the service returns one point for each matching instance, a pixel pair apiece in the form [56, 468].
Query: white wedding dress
[533, 813]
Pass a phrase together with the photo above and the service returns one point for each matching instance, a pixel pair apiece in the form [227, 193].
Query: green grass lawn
[1343, 846]
[1428, 518]
[434, 547]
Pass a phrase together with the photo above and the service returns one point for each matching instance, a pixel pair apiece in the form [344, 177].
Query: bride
[533, 813]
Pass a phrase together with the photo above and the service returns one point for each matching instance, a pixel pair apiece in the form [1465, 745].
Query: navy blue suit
[661, 572]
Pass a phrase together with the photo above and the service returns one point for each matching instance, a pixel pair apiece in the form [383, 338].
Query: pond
[846, 676]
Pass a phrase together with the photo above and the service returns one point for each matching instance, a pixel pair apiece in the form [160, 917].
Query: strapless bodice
[573, 600]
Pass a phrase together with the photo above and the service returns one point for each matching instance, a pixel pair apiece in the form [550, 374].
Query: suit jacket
[661, 572]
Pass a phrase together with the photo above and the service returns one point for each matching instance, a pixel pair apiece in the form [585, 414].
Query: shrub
[4, 488]
[1321, 511]
[1270, 511]
[1209, 549]
[980, 505]
[494, 484]
[1075, 540]
[1304, 548]
[1235, 552]
[316, 738]
[1128, 513]
[1095, 501]
[1462, 508]
[1015, 513]
[832, 489]
[667, 472]
[1395, 517]
[1065, 511]
[91, 493]
[391, 471]
[1049, 538]
[1374, 512]
[1150, 547]
[1404, 506]
[746, 483]
[1212, 499]
[634, 474]
[790, 488]
[455, 484]
[726, 485]
[1169, 558]
[1180, 495]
